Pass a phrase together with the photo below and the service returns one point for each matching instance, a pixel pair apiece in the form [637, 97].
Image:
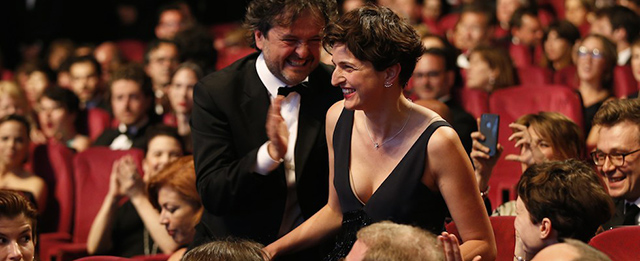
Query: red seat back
[97, 121]
[534, 76]
[92, 171]
[54, 163]
[512, 103]
[623, 81]
[132, 50]
[620, 244]
[504, 233]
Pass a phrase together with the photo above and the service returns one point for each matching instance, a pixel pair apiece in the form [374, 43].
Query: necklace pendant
[376, 145]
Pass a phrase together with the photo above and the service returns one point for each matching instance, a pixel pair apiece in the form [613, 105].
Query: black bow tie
[300, 88]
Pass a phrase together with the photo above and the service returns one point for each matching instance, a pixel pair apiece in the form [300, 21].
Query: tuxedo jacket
[228, 127]
[618, 216]
[139, 140]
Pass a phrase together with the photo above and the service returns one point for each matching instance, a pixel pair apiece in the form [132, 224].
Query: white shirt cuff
[264, 162]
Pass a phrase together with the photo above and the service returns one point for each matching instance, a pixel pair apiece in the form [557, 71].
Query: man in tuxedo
[434, 78]
[617, 158]
[260, 182]
[620, 25]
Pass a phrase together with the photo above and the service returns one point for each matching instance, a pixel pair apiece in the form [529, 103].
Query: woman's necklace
[378, 145]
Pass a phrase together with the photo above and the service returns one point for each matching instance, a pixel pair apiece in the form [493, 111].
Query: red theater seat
[504, 233]
[620, 244]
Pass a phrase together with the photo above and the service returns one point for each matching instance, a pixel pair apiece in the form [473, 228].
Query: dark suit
[618, 215]
[228, 128]
[463, 123]
[138, 139]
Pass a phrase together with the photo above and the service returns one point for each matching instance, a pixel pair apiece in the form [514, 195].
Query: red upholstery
[504, 233]
[534, 76]
[476, 102]
[566, 76]
[158, 257]
[97, 121]
[54, 163]
[510, 104]
[92, 170]
[623, 81]
[620, 244]
[132, 50]
[448, 22]
[231, 55]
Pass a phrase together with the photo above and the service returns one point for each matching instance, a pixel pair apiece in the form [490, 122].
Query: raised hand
[277, 130]
[530, 152]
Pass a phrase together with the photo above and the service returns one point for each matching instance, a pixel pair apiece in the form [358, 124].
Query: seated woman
[17, 227]
[543, 136]
[58, 111]
[552, 205]
[173, 192]
[635, 64]
[558, 42]
[181, 98]
[597, 56]
[490, 69]
[129, 228]
[12, 99]
[14, 148]
[388, 158]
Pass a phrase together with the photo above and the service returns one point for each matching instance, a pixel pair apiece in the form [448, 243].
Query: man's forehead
[621, 135]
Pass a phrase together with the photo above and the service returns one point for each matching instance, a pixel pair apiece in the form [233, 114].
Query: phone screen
[489, 124]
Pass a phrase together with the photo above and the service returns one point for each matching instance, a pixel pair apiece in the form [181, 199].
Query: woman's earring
[388, 84]
[492, 80]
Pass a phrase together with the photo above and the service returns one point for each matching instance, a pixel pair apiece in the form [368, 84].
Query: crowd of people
[342, 135]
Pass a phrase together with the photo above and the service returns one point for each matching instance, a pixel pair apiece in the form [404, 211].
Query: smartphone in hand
[489, 124]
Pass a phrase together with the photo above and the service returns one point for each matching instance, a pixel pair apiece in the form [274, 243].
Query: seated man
[131, 98]
[616, 157]
[86, 82]
[389, 241]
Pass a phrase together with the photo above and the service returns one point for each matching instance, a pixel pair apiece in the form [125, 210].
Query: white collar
[637, 202]
[624, 56]
[270, 81]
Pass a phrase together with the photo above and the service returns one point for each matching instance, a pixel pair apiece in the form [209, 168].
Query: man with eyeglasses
[160, 60]
[617, 159]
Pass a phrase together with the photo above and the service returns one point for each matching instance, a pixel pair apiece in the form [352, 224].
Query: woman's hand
[130, 181]
[530, 152]
[482, 162]
[451, 247]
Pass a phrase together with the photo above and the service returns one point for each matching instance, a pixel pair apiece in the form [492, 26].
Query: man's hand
[277, 130]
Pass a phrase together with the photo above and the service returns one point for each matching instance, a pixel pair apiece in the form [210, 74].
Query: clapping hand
[277, 130]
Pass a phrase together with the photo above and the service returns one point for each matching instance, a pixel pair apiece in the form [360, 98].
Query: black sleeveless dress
[401, 198]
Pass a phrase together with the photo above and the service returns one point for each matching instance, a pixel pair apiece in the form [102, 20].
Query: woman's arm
[450, 169]
[327, 220]
[99, 239]
[132, 185]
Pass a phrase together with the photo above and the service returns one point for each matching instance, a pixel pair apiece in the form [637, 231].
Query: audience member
[131, 99]
[558, 42]
[570, 250]
[109, 57]
[580, 13]
[173, 192]
[504, 14]
[434, 78]
[12, 100]
[160, 60]
[490, 69]
[474, 27]
[635, 63]
[526, 35]
[227, 250]
[389, 241]
[171, 20]
[58, 51]
[86, 82]
[596, 60]
[552, 205]
[18, 226]
[252, 184]
[376, 174]
[14, 147]
[119, 224]
[620, 25]
[63, 77]
[36, 82]
[634, 5]
[542, 137]
[619, 129]
[58, 115]
[181, 99]
[196, 45]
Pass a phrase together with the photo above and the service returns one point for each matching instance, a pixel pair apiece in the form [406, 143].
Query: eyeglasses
[594, 53]
[616, 159]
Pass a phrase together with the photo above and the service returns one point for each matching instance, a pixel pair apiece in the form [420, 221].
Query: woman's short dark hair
[13, 205]
[163, 130]
[570, 194]
[377, 35]
[64, 97]
[565, 30]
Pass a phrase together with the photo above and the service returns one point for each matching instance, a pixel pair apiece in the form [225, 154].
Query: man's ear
[260, 38]
[546, 228]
